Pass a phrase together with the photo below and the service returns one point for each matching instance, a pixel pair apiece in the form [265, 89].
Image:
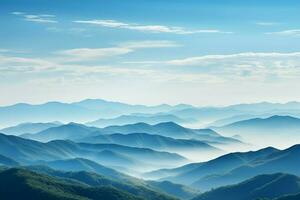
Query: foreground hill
[118, 156]
[145, 189]
[18, 184]
[263, 186]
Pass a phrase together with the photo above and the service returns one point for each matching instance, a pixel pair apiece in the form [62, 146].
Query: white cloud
[83, 54]
[267, 23]
[149, 44]
[292, 32]
[17, 13]
[248, 56]
[41, 18]
[146, 28]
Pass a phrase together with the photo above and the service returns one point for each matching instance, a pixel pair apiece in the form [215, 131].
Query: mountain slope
[171, 129]
[144, 140]
[114, 109]
[273, 129]
[138, 187]
[285, 161]
[68, 131]
[219, 165]
[263, 186]
[5, 161]
[135, 118]
[29, 128]
[29, 151]
[22, 184]
[47, 112]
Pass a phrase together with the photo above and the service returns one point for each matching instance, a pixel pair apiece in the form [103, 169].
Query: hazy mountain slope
[289, 197]
[285, 161]
[5, 161]
[272, 129]
[277, 124]
[83, 111]
[29, 128]
[263, 186]
[144, 140]
[79, 132]
[71, 131]
[163, 173]
[28, 151]
[51, 111]
[114, 109]
[81, 164]
[132, 119]
[219, 165]
[18, 184]
[176, 190]
[171, 129]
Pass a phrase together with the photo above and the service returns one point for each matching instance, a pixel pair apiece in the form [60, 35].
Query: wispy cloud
[292, 32]
[267, 23]
[85, 54]
[41, 18]
[248, 56]
[150, 44]
[147, 28]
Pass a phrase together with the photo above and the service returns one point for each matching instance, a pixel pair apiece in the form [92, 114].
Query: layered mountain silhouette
[166, 133]
[263, 186]
[234, 167]
[29, 128]
[273, 129]
[29, 151]
[83, 111]
[144, 140]
[137, 118]
[190, 173]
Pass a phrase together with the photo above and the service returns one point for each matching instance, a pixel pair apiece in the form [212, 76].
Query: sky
[200, 52]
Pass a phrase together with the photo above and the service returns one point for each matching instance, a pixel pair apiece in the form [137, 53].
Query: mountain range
[82, 111]
[118, 156]
[29, 128]
[139, 118]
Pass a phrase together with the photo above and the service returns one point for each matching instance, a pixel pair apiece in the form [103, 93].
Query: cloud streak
[42, 18]
[146, 28]
[86, 54]
[291, 32]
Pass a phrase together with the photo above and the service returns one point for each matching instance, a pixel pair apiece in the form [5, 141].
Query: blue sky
[140, 51]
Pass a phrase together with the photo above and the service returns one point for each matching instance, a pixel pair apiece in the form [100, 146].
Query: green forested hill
[16, 184]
